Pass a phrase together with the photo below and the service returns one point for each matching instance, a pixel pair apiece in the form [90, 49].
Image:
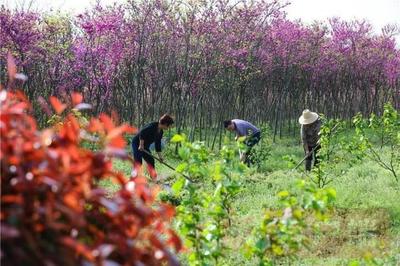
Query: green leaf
[177, 138]
[331, 193]
[276, 249]
[248, 250]
[178, 185]
[354, 263]
[283, 194]
[242, 139]
[181, 167]
[184, 153]
[261, 244]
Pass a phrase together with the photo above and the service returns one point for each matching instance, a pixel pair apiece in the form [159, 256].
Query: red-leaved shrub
[53, 211]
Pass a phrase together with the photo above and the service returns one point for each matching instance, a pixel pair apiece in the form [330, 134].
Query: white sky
[377, 12]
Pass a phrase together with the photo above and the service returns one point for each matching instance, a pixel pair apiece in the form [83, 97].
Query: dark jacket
[310, 133]
[149, 134]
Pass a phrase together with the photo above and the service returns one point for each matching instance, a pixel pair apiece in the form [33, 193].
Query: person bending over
[151, 133]
[246, 129]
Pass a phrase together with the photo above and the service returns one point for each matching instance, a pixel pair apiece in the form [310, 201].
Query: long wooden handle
[167, 165]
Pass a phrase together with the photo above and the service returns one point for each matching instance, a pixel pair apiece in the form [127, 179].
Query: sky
[377, 12]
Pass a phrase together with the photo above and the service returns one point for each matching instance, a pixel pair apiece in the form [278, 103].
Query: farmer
[151, 133]
[310, 126]
[244, 129]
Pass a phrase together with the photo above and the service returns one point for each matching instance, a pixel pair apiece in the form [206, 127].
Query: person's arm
[303, 139]
[306, 150]
[141, 144]
[142, 133]
[318, 129]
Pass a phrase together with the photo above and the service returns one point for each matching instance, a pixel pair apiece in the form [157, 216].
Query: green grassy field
[366, 219]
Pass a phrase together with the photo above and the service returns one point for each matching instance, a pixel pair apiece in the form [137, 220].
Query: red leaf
[14, 160]
[78, 247]
[58, 106]
[74, 152]
[116, 132]
[140, 181]
[70, 129]
[115, 136]
[39, 227]
[118, 142]
[12, 199]
[155, 241]
[108, 123]
[21, 96]
[131, 130]
[95, 125]
[76, 98]
[114, 116]
[11, 67]
[175, 240]
[72, 200]
[18, 108]
[168, 210]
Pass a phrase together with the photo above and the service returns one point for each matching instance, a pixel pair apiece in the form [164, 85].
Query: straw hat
[308, 117]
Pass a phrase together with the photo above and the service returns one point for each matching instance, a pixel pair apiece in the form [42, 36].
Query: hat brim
[309, 120]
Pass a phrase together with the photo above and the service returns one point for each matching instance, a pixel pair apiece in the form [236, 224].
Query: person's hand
[141, 148]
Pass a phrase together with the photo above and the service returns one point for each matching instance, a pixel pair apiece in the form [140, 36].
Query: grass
[366, 219]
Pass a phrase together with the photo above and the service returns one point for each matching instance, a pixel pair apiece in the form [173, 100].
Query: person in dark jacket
[151, 133]
[310, 125]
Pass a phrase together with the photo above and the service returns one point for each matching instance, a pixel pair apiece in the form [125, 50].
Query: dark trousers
[313, 155]
[139, 155]
[250, 142]
[253, 140]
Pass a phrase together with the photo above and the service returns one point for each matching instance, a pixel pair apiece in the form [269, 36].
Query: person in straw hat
[310, 125]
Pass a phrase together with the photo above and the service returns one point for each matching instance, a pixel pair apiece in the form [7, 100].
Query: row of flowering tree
[204, 61]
